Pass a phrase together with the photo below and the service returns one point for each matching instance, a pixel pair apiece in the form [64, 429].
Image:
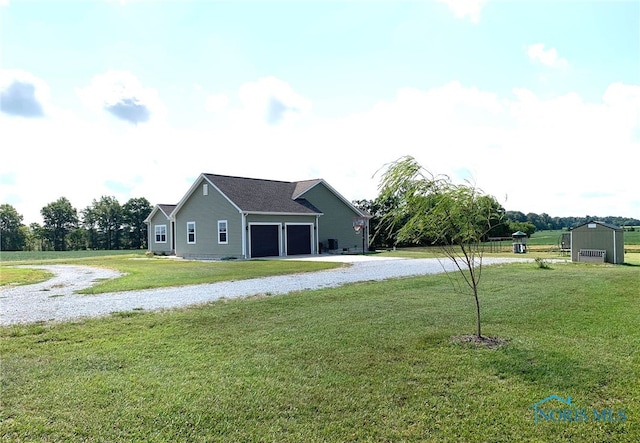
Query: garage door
[264, 240]
[298, 239]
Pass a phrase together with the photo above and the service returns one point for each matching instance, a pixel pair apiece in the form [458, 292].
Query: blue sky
[538, 103]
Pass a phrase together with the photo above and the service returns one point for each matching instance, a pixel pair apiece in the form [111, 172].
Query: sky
[535, 102]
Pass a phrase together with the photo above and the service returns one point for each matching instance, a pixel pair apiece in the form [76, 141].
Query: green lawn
[632, 237]
[22, 276]
[552, 237]
[364, 362]
[142, 272]
[61, 256]
[547, 237]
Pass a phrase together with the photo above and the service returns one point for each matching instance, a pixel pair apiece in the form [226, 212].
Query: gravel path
[56, 299]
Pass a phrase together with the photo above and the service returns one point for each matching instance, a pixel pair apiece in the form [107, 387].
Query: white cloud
[548, 57]
[466, 8]
[122, 95]
[560, 155]
[272, 101]
[546, 155]
[623, 96]
[216, 103]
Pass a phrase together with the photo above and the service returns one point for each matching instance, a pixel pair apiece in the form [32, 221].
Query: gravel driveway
[56, 299]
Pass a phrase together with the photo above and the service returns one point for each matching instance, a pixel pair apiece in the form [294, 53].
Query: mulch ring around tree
[483, 341]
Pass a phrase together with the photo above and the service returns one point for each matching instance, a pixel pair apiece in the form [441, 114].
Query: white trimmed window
[161, 233]
[222, 232]
[191, 232]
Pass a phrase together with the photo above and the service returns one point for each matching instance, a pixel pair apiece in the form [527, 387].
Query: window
[161, 233]
[191, 232]
[205, 189]
[222, 232]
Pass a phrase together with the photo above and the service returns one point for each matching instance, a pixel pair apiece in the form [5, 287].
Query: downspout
[368, 232]
[174, 235]
[615, 255]
[317, 234]
[244, 235]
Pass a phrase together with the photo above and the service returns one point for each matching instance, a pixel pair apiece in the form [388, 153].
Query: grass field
[364, 362]
[143, 273]
[548, 242]
[61, 256]
[552, 237]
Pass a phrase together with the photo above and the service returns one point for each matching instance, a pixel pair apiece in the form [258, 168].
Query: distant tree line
[385, 236]
[546, 222]
[105, 224]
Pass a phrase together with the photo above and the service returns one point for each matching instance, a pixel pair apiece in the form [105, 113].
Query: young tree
[455, 217]
[11, 234]
[60, 218]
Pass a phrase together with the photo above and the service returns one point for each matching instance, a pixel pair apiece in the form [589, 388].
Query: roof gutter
[282, 213]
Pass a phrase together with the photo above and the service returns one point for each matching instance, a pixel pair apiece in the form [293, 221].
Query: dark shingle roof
[304, 186]
[258, 195]
[167, 209]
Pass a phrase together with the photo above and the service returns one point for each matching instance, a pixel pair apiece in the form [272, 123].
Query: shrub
[542, 263]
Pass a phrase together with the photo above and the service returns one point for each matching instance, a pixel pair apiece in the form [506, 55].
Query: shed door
[298, 239]
[264, 240]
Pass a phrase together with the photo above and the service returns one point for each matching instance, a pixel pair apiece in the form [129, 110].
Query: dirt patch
[484, 341]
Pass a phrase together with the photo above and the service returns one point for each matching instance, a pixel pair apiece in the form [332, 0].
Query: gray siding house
[223, 216]
[161, 231]
[597, 241]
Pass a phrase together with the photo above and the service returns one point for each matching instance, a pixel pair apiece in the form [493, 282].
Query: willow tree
[432, 209]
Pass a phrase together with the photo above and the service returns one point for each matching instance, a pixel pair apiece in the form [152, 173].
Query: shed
[596, 241]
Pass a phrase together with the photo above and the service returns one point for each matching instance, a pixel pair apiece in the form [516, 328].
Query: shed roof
[601, 223]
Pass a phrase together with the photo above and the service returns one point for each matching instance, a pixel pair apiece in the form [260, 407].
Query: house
[597, 241]
[223, 216]
[161, 231]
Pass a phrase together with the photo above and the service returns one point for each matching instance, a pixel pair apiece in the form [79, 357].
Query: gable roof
[262, 196]
[165, 209]
[303, 187]
[606, 225]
